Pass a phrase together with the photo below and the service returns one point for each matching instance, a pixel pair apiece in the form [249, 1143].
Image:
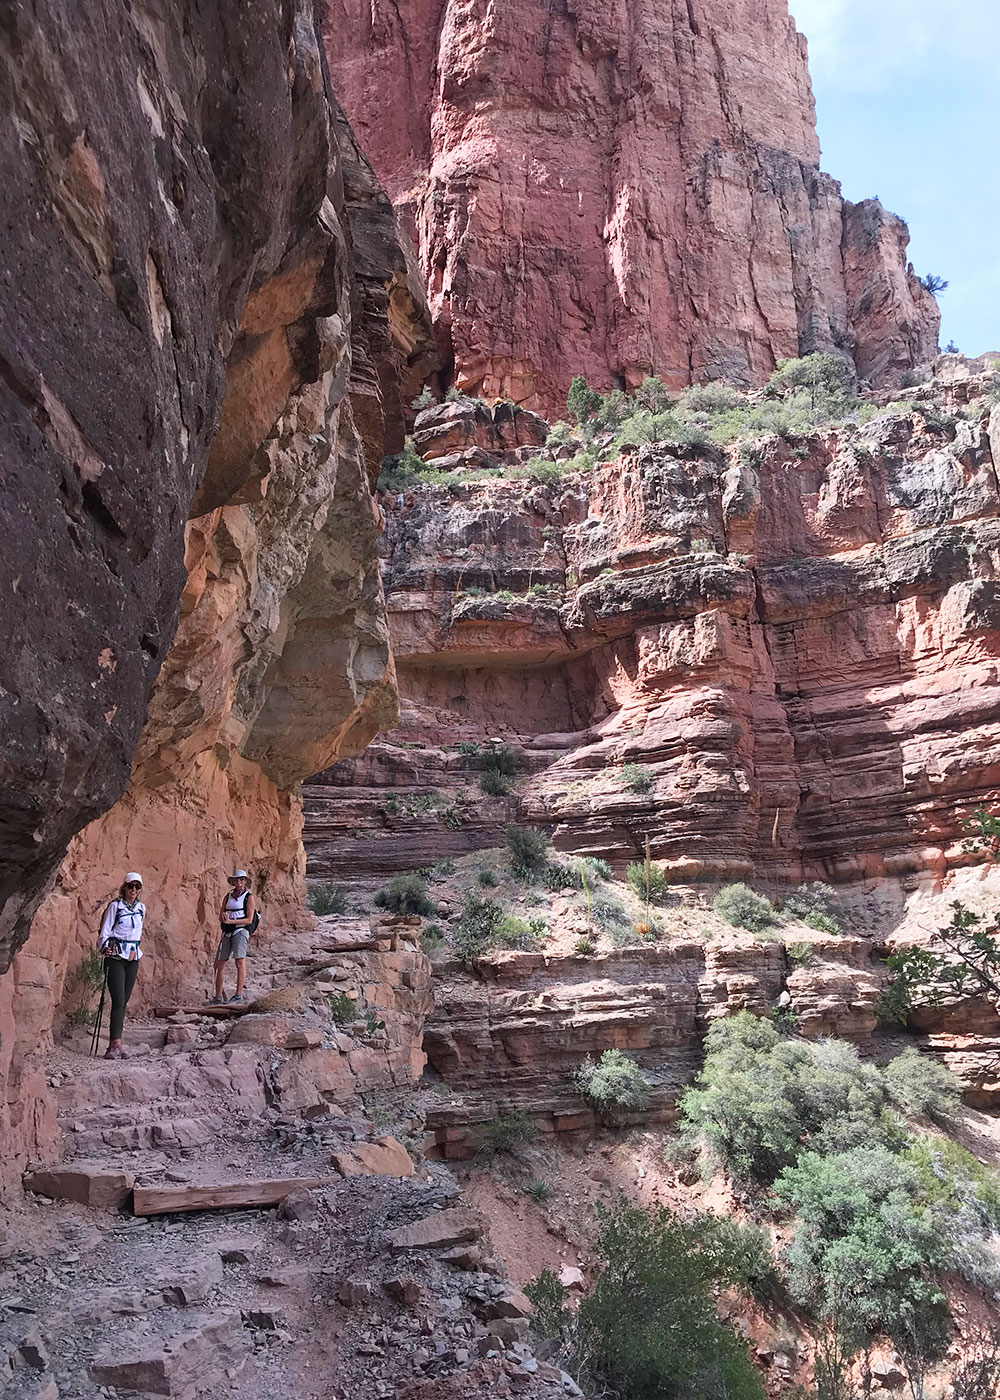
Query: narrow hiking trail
[334, 1262]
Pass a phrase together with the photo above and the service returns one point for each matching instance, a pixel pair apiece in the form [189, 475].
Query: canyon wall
[797, 642]
[207, 323]
[620, 190]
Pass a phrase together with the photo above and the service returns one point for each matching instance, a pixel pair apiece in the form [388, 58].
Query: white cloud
[867, 45]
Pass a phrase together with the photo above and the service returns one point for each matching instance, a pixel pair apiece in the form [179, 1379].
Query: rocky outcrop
[207, 326]
[796, 641]
[618, 191]
[516, 1035]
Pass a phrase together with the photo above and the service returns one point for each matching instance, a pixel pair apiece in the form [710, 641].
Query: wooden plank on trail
[165, 1200]
[204, 1009]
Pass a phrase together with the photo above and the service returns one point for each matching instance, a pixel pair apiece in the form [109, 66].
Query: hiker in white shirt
[238, 918]
[119, 941]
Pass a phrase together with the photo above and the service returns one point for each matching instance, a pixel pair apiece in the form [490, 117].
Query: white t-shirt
[123, 922]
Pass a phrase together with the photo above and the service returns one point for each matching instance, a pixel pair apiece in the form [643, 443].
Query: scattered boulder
[441, 1230]
[183, 1364]
[383, 1157]
[96, 1186]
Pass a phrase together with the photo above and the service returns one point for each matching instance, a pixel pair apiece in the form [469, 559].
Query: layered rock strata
[206, 323]
[517, 1036]
[797, 643]
[621, 191]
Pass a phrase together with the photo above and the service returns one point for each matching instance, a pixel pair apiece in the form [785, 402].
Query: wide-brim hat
[133, 877]
[237, 875]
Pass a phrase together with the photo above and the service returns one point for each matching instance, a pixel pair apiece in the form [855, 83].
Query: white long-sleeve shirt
[123, 922]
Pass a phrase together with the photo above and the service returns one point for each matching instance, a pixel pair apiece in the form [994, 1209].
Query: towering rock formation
[188, 345]
[620, 189]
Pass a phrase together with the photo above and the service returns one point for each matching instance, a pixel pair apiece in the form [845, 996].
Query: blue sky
[906, 108]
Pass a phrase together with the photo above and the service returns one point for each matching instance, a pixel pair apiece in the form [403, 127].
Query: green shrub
[432, 938]
[759, 1098]
[507, 1131]
[741, 907]
[342, 1008]
[488, 878]
[922, 1087]
[649, 1328]
[596, 869]
[423, 400]
[656, 887]
[326, 898]
[635, 777]
[83, 1015]
[468, 746]
[653, 394]
[582, 401]
[477, 929]
[541, 469]
[494, 784]
[586, 946]
[714, 397]
[610, 915]
[819, 373]
[556, 876]
[454, 394]
[548, 1297]
[528, 847]
[538, 1190]
[615, 1086]
[814, 904]
[515, 933]
[559, 435]
[405, 894]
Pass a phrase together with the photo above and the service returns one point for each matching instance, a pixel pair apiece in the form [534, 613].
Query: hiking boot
[217, 1001]
[239, 999]
[114, 1051]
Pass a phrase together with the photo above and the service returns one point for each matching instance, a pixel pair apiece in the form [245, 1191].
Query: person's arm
[107, 926]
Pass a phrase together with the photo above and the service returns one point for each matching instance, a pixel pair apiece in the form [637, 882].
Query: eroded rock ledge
[197, 369]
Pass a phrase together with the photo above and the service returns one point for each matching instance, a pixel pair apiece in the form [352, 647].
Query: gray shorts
[233, 945]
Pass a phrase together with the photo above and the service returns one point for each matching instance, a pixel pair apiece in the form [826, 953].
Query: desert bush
[586, 946]
[977, 1375]
[548, 1297]
[615, 1086]
[342, 1008]
[494, 784]
[556, 876]
[507, 1131]
[922, 1087]
[488, 878]
[635, 777]
[649, 1328]
[527, 846]
[326, 898]
[515, 933]
[610, 915]
[468, 747]
[405, 894]
[559, 435]
[477, 929]
[582, 401]
[819, 373]
[423, 400]
[538, 1190]
[758, 1098]
[813, 898]
[822, 923]
[714, 397]
[596, 869]
[800, 953]
[743, 908]
[401, 469]
[432, 938]
[653, 395]
[652, 885]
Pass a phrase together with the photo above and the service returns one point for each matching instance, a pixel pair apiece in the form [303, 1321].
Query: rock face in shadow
[796, 643]
[206, 323]
[619, 190]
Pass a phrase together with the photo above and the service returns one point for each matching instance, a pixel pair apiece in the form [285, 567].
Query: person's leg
[114, 971]
[220, 970]
[241, 975]
[221, 958]
[240, 939]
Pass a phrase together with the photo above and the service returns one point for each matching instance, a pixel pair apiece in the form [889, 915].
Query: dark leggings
[121, 979]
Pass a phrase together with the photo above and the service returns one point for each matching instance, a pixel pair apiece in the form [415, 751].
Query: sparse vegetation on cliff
[405, 894]
[648, 1329]
[743, 907]
[615, 1086]
[326, 898]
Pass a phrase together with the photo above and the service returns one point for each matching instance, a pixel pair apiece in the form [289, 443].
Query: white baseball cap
[132, 878]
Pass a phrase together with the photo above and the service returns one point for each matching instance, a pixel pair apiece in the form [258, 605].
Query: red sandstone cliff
[207, 322]
[617, 190]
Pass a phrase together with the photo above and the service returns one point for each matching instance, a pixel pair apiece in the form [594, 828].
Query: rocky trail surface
[363, 1274]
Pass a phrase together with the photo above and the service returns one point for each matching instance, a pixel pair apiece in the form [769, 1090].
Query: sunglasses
[133, 885]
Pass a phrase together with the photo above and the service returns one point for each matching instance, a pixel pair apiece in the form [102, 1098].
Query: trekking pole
[95, 1040]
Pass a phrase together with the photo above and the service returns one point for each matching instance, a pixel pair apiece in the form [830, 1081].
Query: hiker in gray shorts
[238, 918]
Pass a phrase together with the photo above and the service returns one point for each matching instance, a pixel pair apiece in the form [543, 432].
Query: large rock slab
[184, 1363]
